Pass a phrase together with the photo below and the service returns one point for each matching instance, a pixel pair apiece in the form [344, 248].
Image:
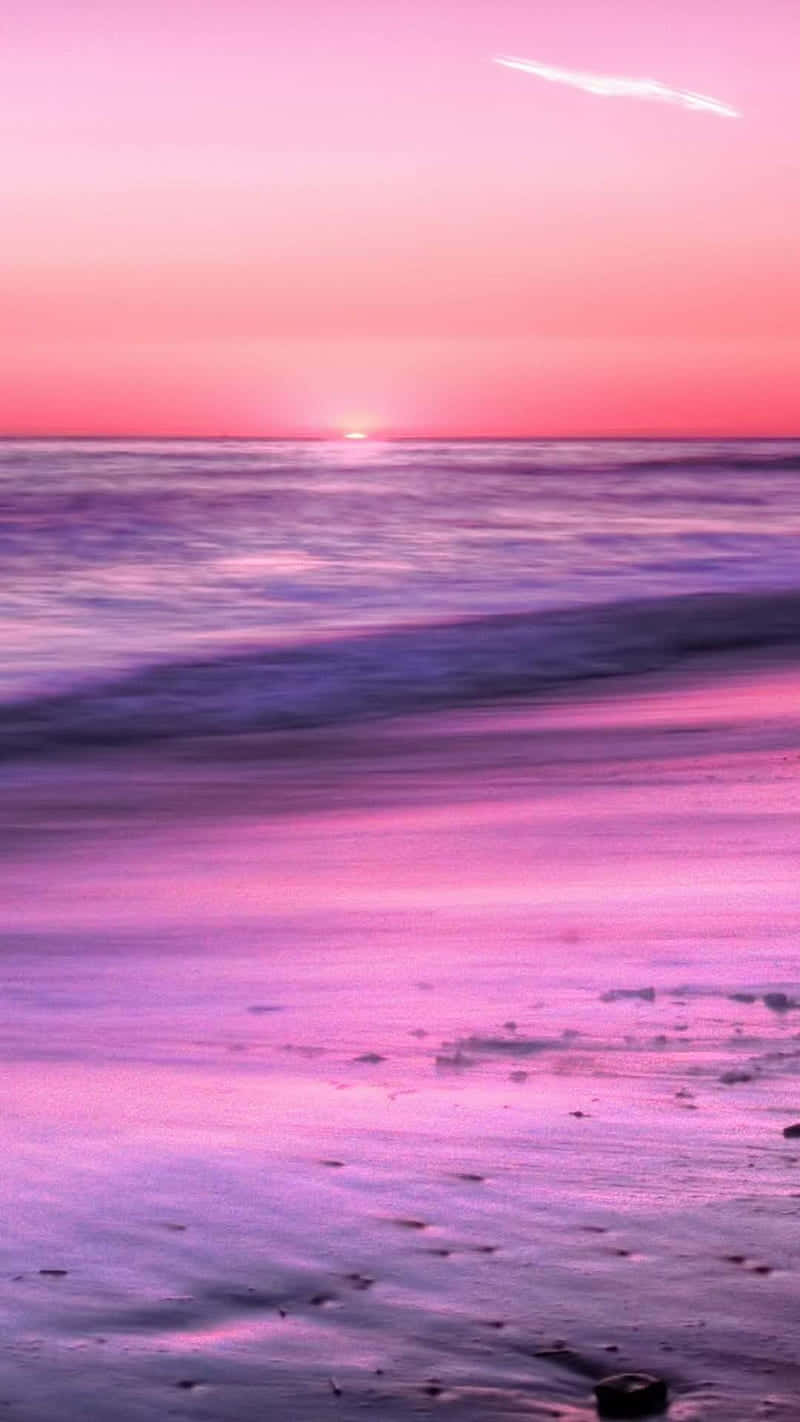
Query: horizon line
[7, 436]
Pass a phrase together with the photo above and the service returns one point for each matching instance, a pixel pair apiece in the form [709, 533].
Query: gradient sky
[267, 218]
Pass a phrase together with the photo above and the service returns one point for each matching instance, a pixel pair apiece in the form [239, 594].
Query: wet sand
[433, 1068]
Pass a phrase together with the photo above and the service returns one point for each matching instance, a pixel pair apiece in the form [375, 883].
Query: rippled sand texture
[430, 1069]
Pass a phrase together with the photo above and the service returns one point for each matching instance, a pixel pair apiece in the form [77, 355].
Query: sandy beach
[427, 1067]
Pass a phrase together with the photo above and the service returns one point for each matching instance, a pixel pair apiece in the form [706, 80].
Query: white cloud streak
[608, 86]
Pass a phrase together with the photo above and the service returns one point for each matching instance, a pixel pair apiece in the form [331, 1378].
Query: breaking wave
[400, 670]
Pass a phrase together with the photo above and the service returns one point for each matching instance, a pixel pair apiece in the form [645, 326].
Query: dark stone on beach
[187, 1384]
[791, 1132]
[647, 994]
[518, 1076]
[630, 1395]
[371, 1058]
[411, 1224]
[510, 1026]
[779, 1002]
[53, 1273]
[581, 1115]
[456, 1062]
[333, 1164]
[742, 996]
[259, 1007]
[514, 1046]
[731, 1078]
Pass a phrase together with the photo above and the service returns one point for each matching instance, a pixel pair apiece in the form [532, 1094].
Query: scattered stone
[791, 1132]
[418, 1032]
[259, 1007]
[333, 1164]
[370, 1058]
[334, 1387]
[510, 1026]
[360, 1281]
[320, 1300]
[518, 1076]
[172, 1225]
[187, 1384]
[647, 994]
[742, 996]
[53, 1273]
[581, 1115]
[779, 1002]
[731, 1078]
[630, 1395]
[467, 1175]
[514, 1046]
[456, 1061]
[411, 1224]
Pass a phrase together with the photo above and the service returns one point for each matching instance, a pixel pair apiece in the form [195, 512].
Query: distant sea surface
[149, 589]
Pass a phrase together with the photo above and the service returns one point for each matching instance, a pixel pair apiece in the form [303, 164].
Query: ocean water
[153, 588]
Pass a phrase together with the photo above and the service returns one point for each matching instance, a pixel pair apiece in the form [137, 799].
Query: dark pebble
[53, 1273]
[630, 1395]
[791, 1132]
[371, 1058]
[647, 994]
[778, 1001]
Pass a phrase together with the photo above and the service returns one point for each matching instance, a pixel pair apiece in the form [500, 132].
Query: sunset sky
[263, 218]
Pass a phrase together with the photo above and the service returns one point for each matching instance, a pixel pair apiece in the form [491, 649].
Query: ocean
[398, 942]
[150, 589]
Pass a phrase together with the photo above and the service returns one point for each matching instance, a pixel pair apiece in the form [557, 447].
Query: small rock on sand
[779, 1002]
[370, 1058]
[647, 994]
[731, 1078]
[791, 1132]
[630, 1395]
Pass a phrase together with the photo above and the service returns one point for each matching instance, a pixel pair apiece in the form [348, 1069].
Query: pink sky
[258, 218]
